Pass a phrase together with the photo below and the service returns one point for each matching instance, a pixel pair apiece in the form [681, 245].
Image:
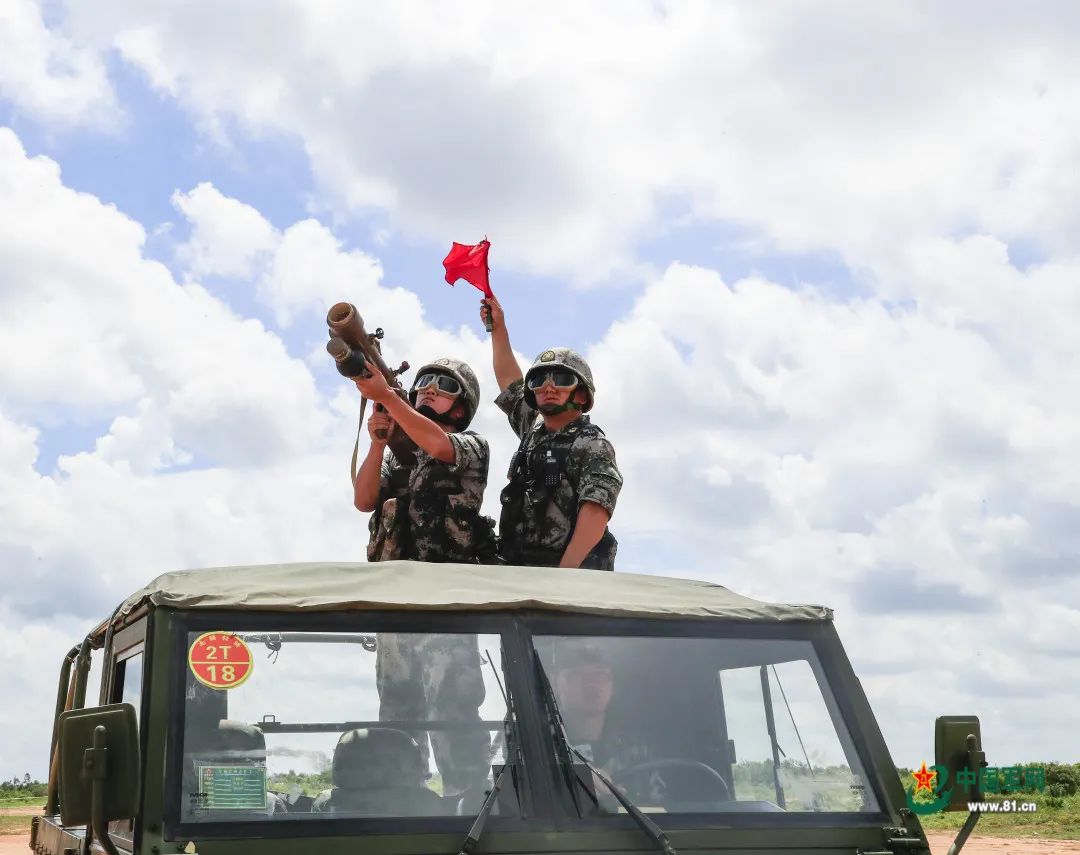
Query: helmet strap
[441, 418]
[557, 409]
[458, 423]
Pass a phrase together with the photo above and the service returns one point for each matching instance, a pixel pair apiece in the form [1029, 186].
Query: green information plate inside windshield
[233, 787]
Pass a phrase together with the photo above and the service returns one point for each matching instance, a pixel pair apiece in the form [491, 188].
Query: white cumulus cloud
[47, 74]
[570, 133]
[906, 455]
[218, 445]
[227, 236]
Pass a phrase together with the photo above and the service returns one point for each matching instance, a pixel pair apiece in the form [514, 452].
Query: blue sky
[828, 298]
[158, 149]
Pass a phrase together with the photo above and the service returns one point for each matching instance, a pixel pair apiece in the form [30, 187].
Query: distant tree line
[24, 786]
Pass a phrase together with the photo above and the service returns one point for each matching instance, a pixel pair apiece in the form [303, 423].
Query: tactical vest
[455, 532]
[535, 476]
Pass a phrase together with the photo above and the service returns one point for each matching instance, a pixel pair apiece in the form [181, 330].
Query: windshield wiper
[770, 726]
[564, 750]
[473, 837]
[509, 757]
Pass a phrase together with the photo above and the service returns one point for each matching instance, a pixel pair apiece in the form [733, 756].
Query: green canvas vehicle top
[247, 709]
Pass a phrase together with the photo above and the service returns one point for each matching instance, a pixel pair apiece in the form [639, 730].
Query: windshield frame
[503, 625]
[545, 807]
[835, 670]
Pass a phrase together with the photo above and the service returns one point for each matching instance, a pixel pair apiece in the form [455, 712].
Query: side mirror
[958, 749]
[99, 765]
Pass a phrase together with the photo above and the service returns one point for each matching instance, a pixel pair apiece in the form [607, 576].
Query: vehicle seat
[379, 771]
[240, 741]
[235, 742]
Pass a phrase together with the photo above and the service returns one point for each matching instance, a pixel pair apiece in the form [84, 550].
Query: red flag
[469, 263]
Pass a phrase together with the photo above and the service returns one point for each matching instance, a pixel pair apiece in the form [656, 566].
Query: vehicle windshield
[281, 726]
[691, 725]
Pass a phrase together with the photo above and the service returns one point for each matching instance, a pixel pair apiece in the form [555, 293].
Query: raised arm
[506, 366]
[369, 478]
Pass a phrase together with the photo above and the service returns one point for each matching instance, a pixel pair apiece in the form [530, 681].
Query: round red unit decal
[220, 660]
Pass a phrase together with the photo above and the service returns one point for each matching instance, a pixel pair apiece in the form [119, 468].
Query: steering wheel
[673, 763]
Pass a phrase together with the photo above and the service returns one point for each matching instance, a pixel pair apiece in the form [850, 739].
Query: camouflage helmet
[571, 360]
[461, 372]
[371, 757]
[573, 653]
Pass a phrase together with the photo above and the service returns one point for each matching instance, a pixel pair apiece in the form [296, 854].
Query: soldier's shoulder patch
[586, 429]
[547, 356]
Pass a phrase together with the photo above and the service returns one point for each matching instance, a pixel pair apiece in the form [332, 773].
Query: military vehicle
[239, 711]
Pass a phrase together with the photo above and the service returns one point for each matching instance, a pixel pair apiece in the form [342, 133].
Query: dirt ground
[941, 840]
[10, 844]
[18, 844]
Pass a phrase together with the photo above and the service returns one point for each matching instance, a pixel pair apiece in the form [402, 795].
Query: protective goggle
[446, 384]
[560, 379]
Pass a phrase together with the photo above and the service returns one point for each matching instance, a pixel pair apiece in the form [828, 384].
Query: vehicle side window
[127, 688]
[128, 681]
[787, 749]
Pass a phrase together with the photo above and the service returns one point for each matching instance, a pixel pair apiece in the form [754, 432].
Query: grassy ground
[16, 812]
[1057, 814]
[1058, 823]
[1049, 824]
[1056, 819]
[18, 804]
[17, 824]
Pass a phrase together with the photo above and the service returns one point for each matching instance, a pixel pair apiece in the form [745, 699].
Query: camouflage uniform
[426, 676]
[430, 511]
[551, 475]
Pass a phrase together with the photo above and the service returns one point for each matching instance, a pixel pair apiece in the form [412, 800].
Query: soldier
[584, 685]
[564, 481]
[606, 726]
[429, 510]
